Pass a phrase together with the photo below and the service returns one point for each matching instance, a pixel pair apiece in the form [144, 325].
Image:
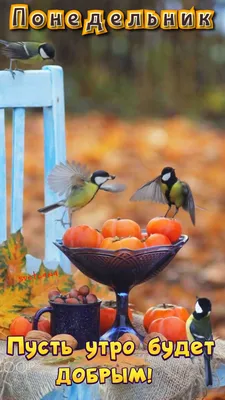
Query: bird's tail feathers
[52, 207]
[208, 371]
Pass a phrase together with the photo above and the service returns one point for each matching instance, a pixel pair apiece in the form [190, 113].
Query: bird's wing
[150, 191]
[201, 330]
[64, 177]
[189, 204]
[15, 50]
[119, 187]
[32, 48]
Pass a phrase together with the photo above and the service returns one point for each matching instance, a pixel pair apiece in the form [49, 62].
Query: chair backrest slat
[3, 192]
[55, 152]
[17, 169]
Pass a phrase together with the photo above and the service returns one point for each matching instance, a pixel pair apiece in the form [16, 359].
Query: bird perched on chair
[168, 189]
[26, 52]
[198, 328]
[78, 186]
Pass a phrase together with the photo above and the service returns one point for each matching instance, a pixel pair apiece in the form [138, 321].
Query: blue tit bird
[198, 328]
[168, 189]
[78, 186]
[26, 52]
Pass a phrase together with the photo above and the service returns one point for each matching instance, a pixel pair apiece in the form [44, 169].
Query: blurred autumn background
[136, 102]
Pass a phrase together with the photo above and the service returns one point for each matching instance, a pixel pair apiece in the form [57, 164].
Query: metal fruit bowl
[122, 269]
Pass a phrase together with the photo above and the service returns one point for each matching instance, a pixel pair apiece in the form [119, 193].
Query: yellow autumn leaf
[7, 320]
[4, 333]
[12, 259]
[3, 273]
[39, 302]
[12, 301]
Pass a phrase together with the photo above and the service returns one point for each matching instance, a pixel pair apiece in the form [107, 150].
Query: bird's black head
[46, 51]
[100, 177]
[168, 175]
[203, 308]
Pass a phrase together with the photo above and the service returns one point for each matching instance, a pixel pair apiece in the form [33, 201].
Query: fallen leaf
[12, 301]
[12, 259]
[4, 333]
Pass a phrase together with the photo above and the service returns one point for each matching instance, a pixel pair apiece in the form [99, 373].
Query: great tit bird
[78, 186]
[168, 189]
[26, 52]
[198, 328]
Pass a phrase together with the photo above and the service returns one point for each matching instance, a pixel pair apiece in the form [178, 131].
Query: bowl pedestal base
[122, 322]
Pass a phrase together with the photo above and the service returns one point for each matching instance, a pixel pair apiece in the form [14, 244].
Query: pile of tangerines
[124, 233]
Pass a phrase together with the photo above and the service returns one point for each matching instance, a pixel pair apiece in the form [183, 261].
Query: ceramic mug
[82, 321]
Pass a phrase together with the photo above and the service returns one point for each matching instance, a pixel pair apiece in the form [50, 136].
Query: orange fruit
[157, 239]
[165, 226]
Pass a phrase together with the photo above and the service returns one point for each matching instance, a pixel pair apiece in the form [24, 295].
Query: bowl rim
[182, 240]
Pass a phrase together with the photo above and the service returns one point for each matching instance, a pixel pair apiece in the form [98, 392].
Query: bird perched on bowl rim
[198, 328]
[78, 186]
[168, 189]
[26, 52]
